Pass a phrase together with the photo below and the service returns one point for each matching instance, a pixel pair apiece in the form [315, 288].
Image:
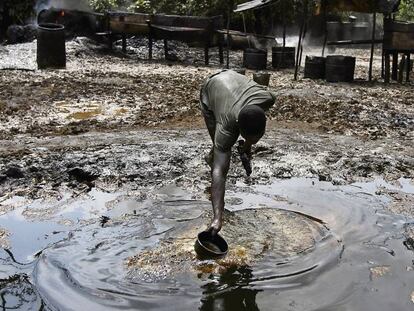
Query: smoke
[81, 5]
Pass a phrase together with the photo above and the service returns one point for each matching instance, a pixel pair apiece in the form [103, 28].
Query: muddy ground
[118, 123]
[74, 127]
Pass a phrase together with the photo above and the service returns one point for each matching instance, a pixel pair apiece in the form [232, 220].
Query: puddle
[85, 110]
[84, 115]
[39, 224]
[298, 244]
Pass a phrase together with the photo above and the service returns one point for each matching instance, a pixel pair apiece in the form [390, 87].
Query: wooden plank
[124, 43]
[371, 60]
[149, 40]
[128, 28]
[387, 67]
[354, 42]
[302, 28]
[394, 75]
[220, 44]
[391, 25]
[399, 40]
[166, 49]
[236, 33]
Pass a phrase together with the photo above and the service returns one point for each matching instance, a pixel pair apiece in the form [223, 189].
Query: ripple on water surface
[278, 258]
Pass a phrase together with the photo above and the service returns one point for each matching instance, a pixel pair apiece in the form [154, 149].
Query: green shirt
[222, 98]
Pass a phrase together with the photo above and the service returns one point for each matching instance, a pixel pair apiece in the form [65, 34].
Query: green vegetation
[107, 5]
[18, 11]
[189, 7]
[406, 11]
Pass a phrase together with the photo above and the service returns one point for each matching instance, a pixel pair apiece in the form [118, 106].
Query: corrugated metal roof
[252, 5]
[363, 6]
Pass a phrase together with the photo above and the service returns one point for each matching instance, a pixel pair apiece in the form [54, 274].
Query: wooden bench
[189, 29]
[125, 23]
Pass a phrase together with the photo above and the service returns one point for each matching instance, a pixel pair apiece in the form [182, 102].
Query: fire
[62, 14]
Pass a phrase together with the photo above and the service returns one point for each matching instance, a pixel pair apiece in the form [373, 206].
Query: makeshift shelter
[367, 6]
[385, 7]
[255, 4]
[362, 6]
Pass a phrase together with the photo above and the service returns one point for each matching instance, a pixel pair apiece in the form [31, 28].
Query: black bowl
[209, 246]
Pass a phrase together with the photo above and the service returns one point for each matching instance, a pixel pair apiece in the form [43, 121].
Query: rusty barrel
[283, 57]
[334, 31]
[315, 67]
[347, 29]
[339, 31]
[51, 49]
[255, 58]
[340, 68]
[361, 31]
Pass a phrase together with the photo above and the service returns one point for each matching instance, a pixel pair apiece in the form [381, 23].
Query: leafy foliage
[19, 10]
[283, 10]
[107, 5]
[406, 11]
[185, 7]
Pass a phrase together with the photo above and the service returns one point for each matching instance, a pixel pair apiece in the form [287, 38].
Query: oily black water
[296, 244]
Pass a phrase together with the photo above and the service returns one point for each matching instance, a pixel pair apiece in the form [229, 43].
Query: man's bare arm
[219, 172]
[210, 123]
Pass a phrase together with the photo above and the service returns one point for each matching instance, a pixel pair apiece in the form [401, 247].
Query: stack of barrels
[282, 58]
[335, 68]
[342, 31]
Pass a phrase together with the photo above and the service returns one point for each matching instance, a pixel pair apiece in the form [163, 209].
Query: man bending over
[232, 105]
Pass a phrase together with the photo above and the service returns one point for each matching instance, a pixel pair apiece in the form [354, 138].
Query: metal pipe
[228, 40]
[354, 42]
[302, 27]
[371, 60]
[245, 30]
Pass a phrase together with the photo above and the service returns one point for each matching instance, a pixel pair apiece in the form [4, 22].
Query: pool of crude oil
[295, 244]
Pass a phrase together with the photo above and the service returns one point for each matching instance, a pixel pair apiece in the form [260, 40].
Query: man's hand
[245, 157]
[215, 226]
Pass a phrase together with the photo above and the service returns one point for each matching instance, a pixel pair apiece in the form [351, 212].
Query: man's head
[252, 123]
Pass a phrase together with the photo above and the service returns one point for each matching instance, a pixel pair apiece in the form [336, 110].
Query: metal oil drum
[255, 58]
[283, 57]
[51, 49]
[339, 68]
[315, 67]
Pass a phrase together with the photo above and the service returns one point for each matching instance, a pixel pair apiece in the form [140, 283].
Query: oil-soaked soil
[103, 189]
[107, 91]
[49, 166]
